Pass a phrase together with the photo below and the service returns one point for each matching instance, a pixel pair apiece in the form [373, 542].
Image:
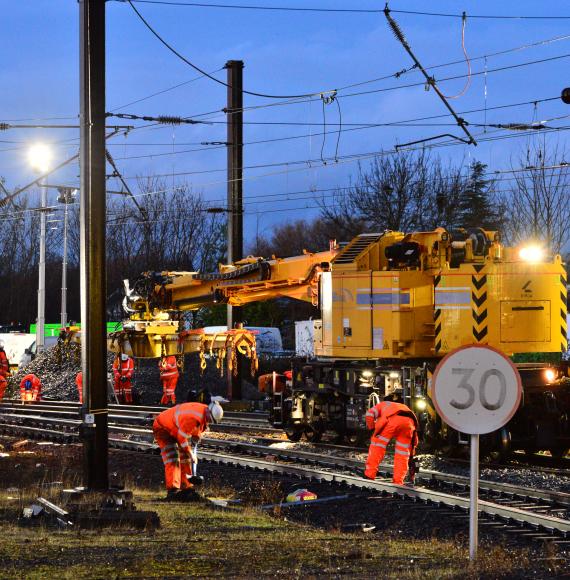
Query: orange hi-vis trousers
[169, 390]
[402, 428]
[177, 460]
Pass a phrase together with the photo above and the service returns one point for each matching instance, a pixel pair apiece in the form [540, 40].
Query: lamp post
[39, 157]
[66, 196]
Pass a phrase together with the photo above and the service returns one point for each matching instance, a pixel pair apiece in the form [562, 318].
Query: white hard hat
[216, 412]
[124, 356]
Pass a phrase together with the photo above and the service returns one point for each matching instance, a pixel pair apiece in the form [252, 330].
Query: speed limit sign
[476, 389]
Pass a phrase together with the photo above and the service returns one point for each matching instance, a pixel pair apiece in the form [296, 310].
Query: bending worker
[123, 370]
[391, 420]
[168, 367]
[31, 388]
[172, 431]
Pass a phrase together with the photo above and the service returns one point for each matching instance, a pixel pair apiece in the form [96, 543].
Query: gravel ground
[57, 369]
[532, 477]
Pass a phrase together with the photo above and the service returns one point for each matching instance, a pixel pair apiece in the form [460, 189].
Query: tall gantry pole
[234, 112]
[92, 223]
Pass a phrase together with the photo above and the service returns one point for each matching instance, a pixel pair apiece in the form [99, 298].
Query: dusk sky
[285, 53]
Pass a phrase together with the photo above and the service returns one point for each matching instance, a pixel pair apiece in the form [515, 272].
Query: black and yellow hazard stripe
[479, 304]
[437, 319]
[563, 313]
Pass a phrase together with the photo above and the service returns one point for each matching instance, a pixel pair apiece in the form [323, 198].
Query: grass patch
[198, 541]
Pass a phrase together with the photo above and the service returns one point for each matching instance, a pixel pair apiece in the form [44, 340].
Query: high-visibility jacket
[377, 416]
[168, 367]
[123, 368]
[183, 421]
[4, 364]
[79, 383]
[30, 388]
[3, 385]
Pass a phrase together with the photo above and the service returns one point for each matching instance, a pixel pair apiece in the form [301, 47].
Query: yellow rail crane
[392, 305]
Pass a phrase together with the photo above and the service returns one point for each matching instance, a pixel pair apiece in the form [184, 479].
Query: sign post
[476, 390]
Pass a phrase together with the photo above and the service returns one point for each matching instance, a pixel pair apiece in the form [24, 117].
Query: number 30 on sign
[476, 389]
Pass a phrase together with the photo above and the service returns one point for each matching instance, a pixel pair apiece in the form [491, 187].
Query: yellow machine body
[384, 295]
[370, 309]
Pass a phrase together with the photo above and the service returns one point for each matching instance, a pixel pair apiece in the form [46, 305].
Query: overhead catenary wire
[336, 191]
[211, 77]
[398, 87]
[348, 157]
[189, 4]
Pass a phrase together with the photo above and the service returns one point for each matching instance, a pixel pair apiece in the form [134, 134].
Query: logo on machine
[526, 288]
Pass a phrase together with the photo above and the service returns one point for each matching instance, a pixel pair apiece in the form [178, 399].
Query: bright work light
[531, 254]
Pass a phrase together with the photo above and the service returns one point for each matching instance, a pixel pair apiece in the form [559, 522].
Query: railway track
[133, 415]
[542, 514]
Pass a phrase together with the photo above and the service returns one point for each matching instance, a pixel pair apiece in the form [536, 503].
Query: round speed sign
[476, 389]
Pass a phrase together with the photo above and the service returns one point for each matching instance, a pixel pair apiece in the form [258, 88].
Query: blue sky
[284, 53]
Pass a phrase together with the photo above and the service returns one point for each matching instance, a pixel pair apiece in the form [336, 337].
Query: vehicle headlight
[532, 254]
[550, 375]
[421, 404]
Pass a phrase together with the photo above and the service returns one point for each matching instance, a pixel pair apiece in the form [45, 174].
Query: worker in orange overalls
[172, 430]
[168, 367]
[389, 420]
[123, 370]
[31, 388]
[3, 385]
[79, 383]
[4, 364]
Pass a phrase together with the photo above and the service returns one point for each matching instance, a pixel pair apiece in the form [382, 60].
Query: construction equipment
[392, 305]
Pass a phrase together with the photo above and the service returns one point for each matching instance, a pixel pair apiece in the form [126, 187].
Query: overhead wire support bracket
[117, 173]
[430, 80]
[397, 147]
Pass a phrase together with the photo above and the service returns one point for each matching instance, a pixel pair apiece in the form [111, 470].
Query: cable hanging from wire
[467, 61]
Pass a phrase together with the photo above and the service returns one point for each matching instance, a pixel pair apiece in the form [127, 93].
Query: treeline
[166, 229]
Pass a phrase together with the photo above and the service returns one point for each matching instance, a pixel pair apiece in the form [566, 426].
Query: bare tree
[539, 201]
[405, 191]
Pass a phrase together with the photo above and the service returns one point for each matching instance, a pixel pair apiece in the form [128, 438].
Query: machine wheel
[313, 435]
[293, 434]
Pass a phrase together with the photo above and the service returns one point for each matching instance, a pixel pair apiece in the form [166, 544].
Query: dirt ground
[196, 540]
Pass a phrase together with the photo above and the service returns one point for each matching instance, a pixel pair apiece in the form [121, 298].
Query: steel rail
[504, 512]
[516, 493]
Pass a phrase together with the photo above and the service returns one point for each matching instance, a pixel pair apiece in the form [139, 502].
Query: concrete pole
[64, 267]
[40, 324]
[234, 112]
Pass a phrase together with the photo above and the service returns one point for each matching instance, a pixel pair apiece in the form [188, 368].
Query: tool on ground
[195, 479]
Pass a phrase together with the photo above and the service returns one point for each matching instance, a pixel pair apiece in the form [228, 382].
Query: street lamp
[66, 196]
[39, 156]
